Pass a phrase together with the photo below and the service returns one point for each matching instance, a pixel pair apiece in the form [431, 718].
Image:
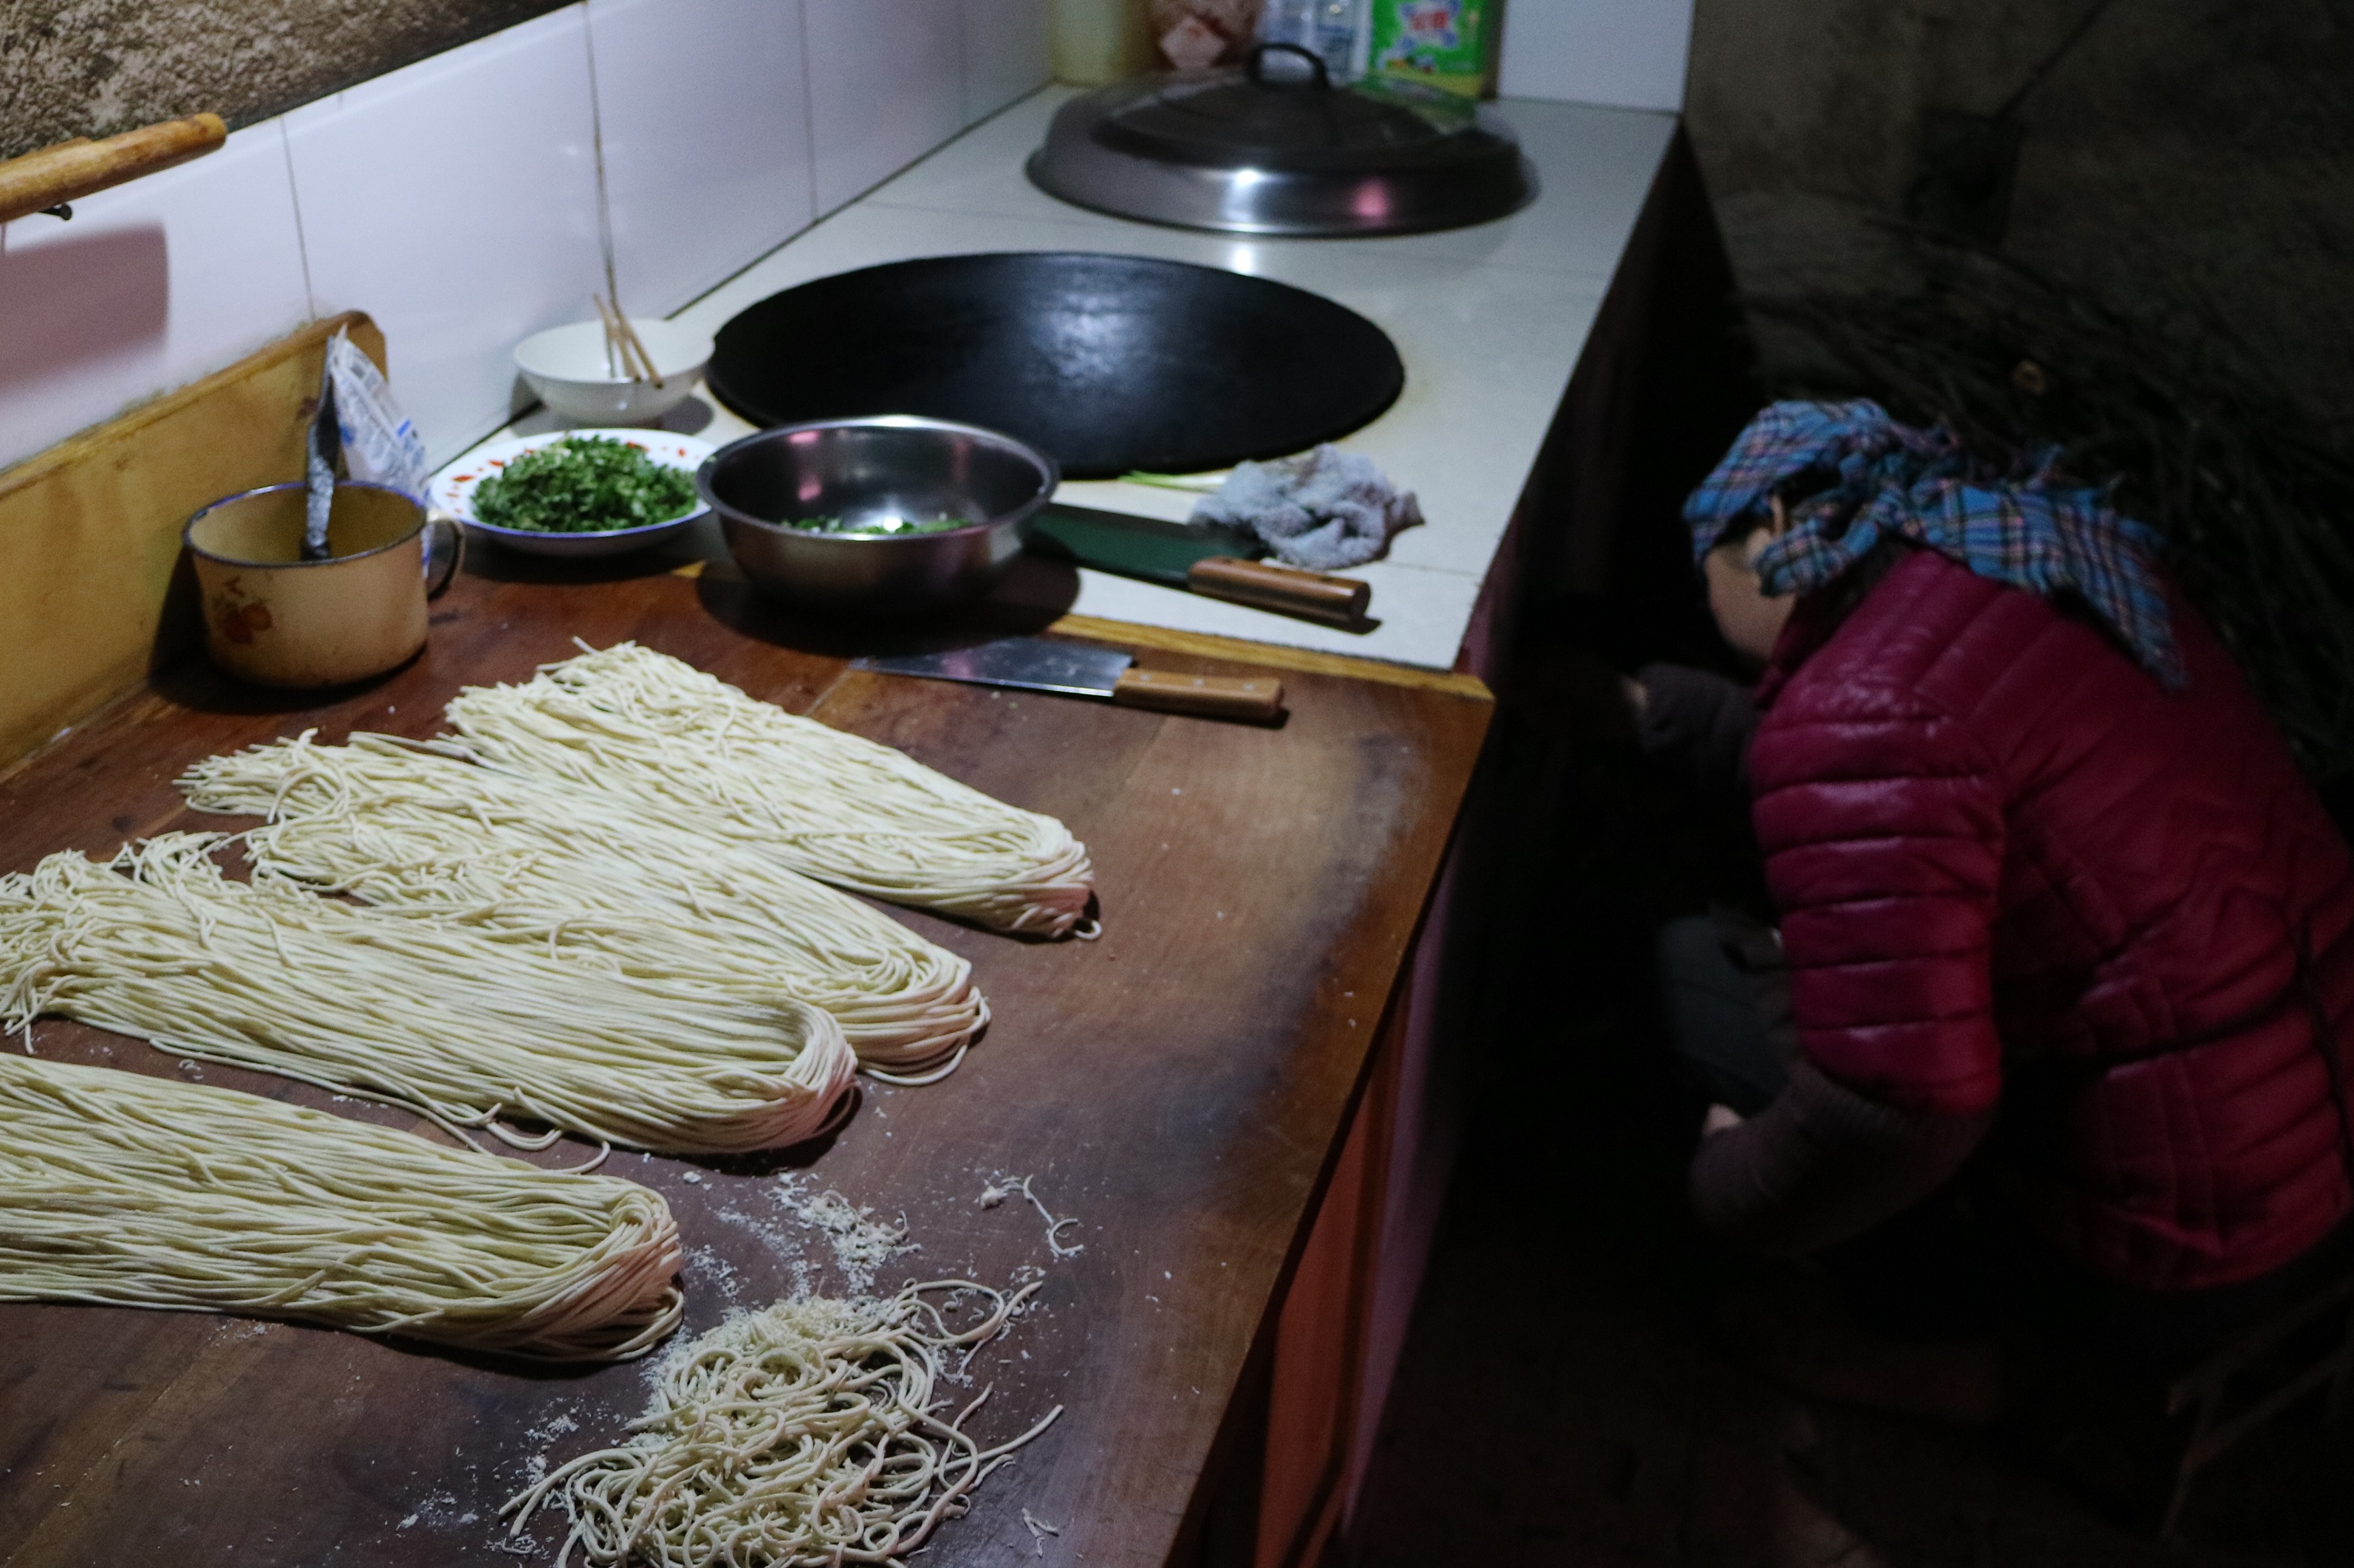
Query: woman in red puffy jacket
[2055, 904]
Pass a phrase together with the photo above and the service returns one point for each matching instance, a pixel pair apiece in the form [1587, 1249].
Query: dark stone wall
[2187, 161]
[91, 68]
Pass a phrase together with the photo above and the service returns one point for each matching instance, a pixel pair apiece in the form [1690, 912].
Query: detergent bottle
[1449, 44]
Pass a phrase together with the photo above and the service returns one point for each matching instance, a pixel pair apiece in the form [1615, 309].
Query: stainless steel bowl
[890, 466]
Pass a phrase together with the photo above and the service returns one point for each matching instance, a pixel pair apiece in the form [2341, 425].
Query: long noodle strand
[808, 1432]
[447, 1021]
[580, 873]
[690, 750]
[127, 1191]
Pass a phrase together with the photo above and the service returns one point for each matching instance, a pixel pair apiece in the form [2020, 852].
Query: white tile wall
[455, 201]
[151, 285]
[1006, 54]
[1621, 54]
[703, 106]
[886, 86]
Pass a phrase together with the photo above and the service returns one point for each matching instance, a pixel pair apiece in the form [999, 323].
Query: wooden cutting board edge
[90, 530]
[1272, 655]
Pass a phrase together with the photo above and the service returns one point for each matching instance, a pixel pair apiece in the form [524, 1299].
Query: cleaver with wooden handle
[1075, 669]
[1204, 558]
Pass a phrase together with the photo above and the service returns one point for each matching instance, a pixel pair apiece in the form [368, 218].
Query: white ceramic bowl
[453, 492]
[567, 366]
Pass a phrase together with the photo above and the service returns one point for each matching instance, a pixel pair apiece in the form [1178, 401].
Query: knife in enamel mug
[1078, 670]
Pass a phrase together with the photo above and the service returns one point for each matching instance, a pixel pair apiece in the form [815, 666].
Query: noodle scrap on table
[807, 1432]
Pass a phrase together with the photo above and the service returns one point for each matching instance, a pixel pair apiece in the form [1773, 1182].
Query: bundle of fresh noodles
[130, 1192]
[689, 750]
[580, 875]
[460, 1026]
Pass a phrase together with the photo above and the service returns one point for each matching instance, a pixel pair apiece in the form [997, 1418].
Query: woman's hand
[1720, 1118]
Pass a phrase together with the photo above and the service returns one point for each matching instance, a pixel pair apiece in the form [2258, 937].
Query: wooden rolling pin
[39, 182]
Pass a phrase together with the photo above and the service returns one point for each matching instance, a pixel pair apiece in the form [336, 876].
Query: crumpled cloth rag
[1322, 510]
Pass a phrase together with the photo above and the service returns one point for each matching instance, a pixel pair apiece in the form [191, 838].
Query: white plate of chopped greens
[577, 493]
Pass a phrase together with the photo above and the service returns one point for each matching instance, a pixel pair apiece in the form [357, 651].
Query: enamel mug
[276, 620]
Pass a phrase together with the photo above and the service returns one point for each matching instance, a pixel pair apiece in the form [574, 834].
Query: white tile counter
[1490, 322]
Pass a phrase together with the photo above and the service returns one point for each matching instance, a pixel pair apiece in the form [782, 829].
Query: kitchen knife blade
[1073, 669]
[1204, 558]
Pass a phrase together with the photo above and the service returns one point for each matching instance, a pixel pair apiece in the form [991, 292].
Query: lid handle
[1251, 64]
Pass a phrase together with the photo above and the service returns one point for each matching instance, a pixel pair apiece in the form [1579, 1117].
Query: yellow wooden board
[90, 530]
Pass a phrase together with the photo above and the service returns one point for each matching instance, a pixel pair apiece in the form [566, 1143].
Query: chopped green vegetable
[584, 484]
[875, 527]
[1199, 484]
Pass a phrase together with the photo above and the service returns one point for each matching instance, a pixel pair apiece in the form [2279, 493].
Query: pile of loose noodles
[130, 1192]
[580, 873]
[690, 750]
[449, 1023]
[806, 1433]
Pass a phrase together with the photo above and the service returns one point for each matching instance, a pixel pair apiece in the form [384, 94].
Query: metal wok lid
[1250, 151]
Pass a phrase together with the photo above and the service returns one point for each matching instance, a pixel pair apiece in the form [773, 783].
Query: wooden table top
[1178, 1086]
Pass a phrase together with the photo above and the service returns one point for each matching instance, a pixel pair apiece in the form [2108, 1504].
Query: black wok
[1107, 363]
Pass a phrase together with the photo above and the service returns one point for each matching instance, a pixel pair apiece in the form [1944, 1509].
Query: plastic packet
[1334, 30]
[380, 444]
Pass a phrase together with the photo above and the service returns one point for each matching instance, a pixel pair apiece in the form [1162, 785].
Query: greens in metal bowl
[583, 484]
[877, 527]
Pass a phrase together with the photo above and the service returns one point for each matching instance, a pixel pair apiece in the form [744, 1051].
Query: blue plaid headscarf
[1880, 479]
